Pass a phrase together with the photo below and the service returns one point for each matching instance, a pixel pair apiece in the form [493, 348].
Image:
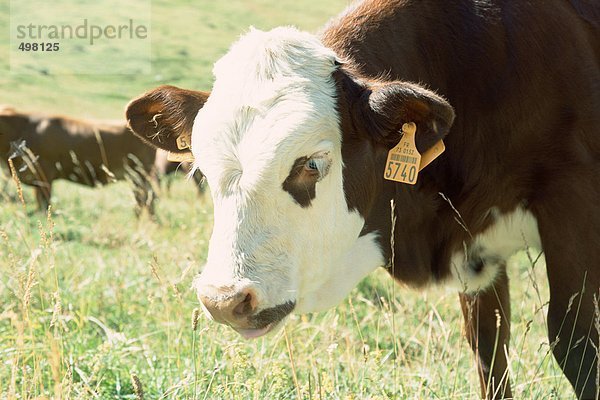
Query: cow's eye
[312, 165]
[318, 164]
[304, 175]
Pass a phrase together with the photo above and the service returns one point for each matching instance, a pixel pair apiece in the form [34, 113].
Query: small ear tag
[431, 154]
[403, 160]
[184, 141]
[180, 157]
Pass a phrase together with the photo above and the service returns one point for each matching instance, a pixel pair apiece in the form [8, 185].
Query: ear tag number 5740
[403, 160]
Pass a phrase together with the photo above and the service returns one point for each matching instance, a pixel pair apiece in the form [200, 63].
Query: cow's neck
[401, 44]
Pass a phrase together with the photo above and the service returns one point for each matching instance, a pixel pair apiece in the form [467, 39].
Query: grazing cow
[294, 141]
[44, 148]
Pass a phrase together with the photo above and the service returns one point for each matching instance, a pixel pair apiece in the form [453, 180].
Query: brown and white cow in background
[44, 148]
[294, 138]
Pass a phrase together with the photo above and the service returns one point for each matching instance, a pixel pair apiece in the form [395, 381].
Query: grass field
[93, 299]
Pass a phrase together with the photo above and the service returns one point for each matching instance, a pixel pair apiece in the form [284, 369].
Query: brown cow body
[44, 148]
[524, 81]
[527, 133]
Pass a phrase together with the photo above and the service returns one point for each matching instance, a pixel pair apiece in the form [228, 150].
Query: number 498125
[43, 46]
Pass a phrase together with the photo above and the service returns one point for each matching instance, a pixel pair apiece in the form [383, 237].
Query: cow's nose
[227, 305]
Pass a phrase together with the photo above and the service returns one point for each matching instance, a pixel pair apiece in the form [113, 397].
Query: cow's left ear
[163, 114]
[387, 106]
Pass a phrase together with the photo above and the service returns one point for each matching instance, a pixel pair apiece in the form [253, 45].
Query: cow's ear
[387, 106]
[161, 115]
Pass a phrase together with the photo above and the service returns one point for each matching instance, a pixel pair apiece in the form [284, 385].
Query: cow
[298, 133]
[43, 148]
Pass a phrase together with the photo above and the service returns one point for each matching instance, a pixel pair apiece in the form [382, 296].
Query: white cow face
[269, 142]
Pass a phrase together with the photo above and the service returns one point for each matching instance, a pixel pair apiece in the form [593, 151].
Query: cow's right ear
[161, 115]
[384, 107]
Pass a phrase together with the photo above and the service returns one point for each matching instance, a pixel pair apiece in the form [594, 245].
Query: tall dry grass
[96, 303]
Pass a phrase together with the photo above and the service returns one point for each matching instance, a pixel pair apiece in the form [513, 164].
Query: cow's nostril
[226, 305]
[245, 307]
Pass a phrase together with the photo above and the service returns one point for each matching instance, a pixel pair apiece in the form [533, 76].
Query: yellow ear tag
[431, 154]
[180, 157]
[184, 141]
[403, 160]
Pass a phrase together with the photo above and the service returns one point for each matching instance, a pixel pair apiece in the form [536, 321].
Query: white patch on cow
[273, 101]
[364, 257]
[510, 233]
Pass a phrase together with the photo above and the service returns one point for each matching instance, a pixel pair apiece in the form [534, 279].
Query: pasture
[95, 303]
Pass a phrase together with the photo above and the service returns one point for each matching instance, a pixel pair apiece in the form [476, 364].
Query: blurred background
[187, 37]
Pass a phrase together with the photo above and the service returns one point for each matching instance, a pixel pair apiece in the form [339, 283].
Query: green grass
[90, 295]
[187, 38]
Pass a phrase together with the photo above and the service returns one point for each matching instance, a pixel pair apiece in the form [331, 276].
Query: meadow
[96, 304]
